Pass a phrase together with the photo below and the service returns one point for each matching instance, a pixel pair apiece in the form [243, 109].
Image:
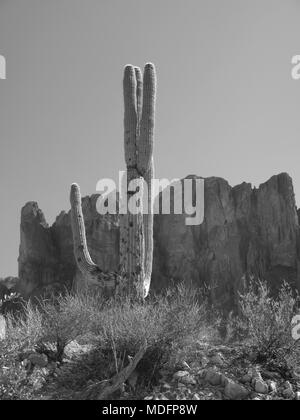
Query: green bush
[56, 321]
[22, 334]
[265, 321]
[115, 329]
[48, 324]
[64, 319]
[24, 330]
[166, 322]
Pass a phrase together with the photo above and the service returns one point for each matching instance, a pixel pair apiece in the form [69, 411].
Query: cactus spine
[136, 229]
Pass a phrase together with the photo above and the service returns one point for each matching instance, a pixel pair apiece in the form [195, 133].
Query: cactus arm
[130, 115]
[130, 131]
[90, 271]
[82, 254]
[145, 164]
[139, 97]
[145, 143]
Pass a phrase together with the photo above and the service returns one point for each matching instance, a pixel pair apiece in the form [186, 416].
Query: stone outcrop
[46, 257]
[38, 255]
[246, 231]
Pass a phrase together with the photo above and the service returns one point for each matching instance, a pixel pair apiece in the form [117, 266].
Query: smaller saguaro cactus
[136, 229]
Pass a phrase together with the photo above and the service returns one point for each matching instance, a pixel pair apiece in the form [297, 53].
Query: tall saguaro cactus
[139, 103]
[136, 229]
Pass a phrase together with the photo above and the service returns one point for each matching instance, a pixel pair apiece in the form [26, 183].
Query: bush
[266, 321]
[51, 323]
[166, 322]
[56, 321]
[22, 334]
[115, 330]
[64, 319]
[24, 330]
[119, 327]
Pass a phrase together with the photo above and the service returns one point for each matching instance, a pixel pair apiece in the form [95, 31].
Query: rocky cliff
[246, 231]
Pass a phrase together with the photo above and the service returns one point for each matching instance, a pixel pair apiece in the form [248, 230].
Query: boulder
[235, 391]
[288, 391]
[261, 387]
[180, 374]
[38, 359]
[272, 386]
[213, 377]
[217, 360]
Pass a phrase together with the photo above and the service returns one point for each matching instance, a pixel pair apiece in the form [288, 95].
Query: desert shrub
[55, 321]
[265, 321]
[114, 330]
[64, 319]
[167, 322]
[50, 324]
[22, 334]
[24, 330]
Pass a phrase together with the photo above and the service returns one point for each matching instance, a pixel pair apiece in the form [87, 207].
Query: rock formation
[46, 252]
[246, 231]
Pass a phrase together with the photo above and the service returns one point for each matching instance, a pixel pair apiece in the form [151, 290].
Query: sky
[226, 102]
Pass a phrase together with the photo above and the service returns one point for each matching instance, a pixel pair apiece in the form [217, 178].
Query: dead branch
[101, 390]
[117, 381]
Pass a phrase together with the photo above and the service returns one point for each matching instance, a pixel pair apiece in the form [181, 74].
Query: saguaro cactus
[137, 233]
[136, 230]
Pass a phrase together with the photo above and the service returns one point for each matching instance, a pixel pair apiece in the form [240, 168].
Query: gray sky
[227, 105]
